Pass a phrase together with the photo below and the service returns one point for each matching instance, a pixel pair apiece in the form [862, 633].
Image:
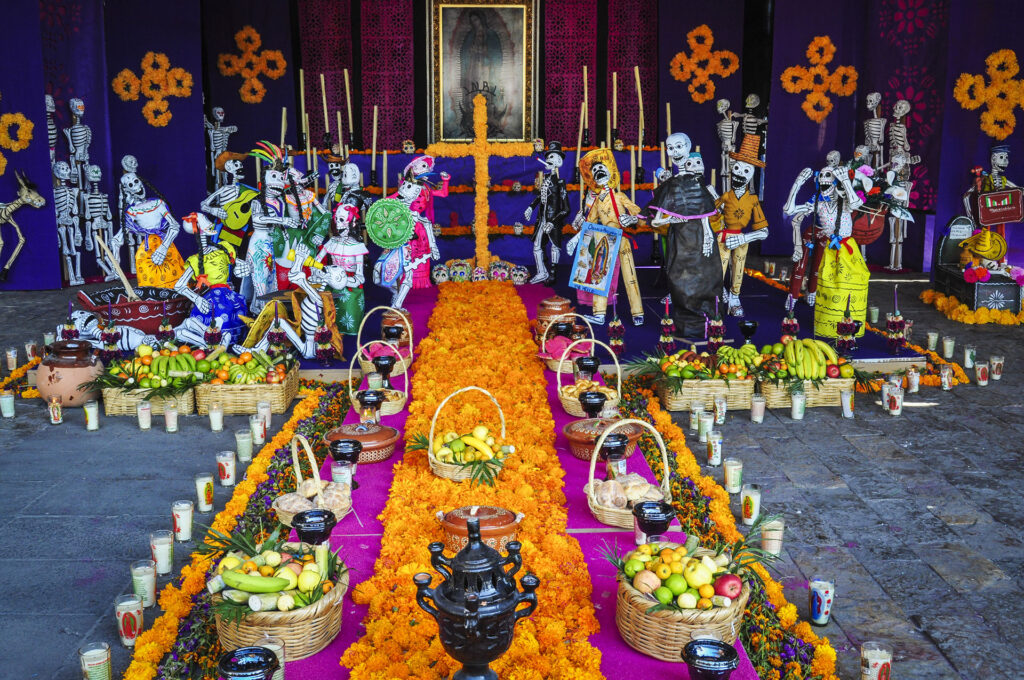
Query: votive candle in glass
[374, 380]
[821, 593]
[181, 514]
[981, 369]
[846, 401]
[341, 472]
[895, 401]
[970, 354]
[11, 353]
[92, 415]
[49, 338]
[873, 314]
[226, 467]
[948, 347]
[721, 406]
[56, 411]
[31, 349]
[204, 492]
[707, 422]
[144, 581]
[996, 363]
[732, 471]
[263, 410]
[243, 445]
[170, 417]
[94, 659]
[258, 427]
[144, 412]
[277, 646]
[758, 403]
[771, 536]
[913, 380]
[216, 417]
[946, 377]
[875, 661]
[128, 614]
[696, 408]
[884, 395]
[750, 503]
[161, 547]
[799, 405]
[714, 449]
[933, 340]
[7, 404]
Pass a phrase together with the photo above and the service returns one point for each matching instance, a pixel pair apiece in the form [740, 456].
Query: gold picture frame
[488, 47]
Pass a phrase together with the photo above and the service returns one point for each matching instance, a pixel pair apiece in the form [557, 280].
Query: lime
[673, 372]
[631, 567]
[663, 595]
[778, 348]
[688, 373]
[203, 365]
[676, 583]
[782, 374]
[846, 370]
[144, 383]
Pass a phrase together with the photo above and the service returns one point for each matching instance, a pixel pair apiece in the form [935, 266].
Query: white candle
[216, 417]
[170, 417]
[896, 401]
[875, 661]
[707, 421]
[12, 358]
[31, 349]
[128, 614]
[243, 445]
[970, 352]
[946, 377]
[181, 513]
[750, 503]
[258, 427]
[948, 346]
[758, 403]
[263, 411]
[721, 406]
[144, 581]
[873, 314]
[884, 392]
[846, 400]
[341, 472]
[732, 469]
[771, 536]
[204, 492]
[714, 449]
[94, 659]
[161, 547]
[913, 380]
[92, 415]
[696, 408]
[821, 594]
[56, 411]
[981, 373]
[226, 468]
[799, 405]
[7, 404]
[996, 366]
[49, 338]
[933, 340]
[277, 646]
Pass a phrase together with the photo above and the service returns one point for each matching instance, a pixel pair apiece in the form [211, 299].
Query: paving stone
[964, 569]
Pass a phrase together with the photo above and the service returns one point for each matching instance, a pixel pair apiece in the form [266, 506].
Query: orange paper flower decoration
[1000, 95]
[817, 81]
[251, 65]
[17, 141]
[157, 82]
[701, 63]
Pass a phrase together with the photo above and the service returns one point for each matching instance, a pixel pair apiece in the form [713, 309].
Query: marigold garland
[817, 81]
[156, 82]
[702, 63]
[19, 372]
[479, 335]
[176, 600]
[22, 138]
[953, 309]
[251, 65]
[1000, 95]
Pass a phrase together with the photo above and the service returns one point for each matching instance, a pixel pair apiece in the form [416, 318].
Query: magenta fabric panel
[633, 41]
[570, 41]
[325, 31]
[387, 79]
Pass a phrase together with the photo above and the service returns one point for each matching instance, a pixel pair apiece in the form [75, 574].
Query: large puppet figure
[606, 204]
[214, 301]
[553, 200]
[827, 253]
[743, 219]
[423, 248]
[394, 270]
[693, 265]
[345, 271]
[269, 210]
[157, 262]
[66, 204]
[345, 188]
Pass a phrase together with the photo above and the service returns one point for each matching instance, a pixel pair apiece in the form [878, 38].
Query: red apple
[832, 371]
[786, 339]
[198, 354]
[728, 585]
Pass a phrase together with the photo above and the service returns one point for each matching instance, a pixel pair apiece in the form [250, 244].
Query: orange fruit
[249, 566]
[222, 374]
[663, 571]
[147, 360]
[246, 357]
[122, 375]
[707, 590]
[267, 570]
[165, 352]
[677, 567]
[185, 349]
[216, 381]
[175, 353]
[703, 603]
[666, 554]
[327, 586]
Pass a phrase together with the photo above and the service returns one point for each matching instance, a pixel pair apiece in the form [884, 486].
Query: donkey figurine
[28, 194]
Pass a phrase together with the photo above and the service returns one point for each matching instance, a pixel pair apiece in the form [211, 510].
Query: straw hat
[747, 153]
[986, 244]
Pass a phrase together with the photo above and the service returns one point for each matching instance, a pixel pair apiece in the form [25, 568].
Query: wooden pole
[258, 173]
[341, 140]
[348, 103]
[384, 176]
[309, 163]
[713, 176]
[117, 267]
[284, 123]
[303, 123]
[632, 174]
[640, 119]
[373, 151]
[579, 143]
[586, 100]
[323, 98]
[608, 127]
[316, 180]
[668, 119]
[615, 100]
[663, 156]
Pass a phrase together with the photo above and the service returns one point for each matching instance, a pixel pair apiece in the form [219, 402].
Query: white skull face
[520, 275]
[77, 107]
[694, 165]
[459, 271]
[538, 145]
[832, 159]
[61, 170]
[421, 165]
[93, 173]
[553, 161]
[408, 146]
[439, 274]
[677, 146]
[129, 163]
[218, 114]
[722, 106]
[901, 108]
[1000, 160]
[752, 101]
[601, 175]
[334, 170]
[409, 191]
[335, 277]
[344, 216]
[742, 173]
[479, 274]
[350, 176]
[861, 153]
[274, 179]
[827, 179]
[85, 322]
[132, 186]
[234, 167]
[50, 105]
[873, 100]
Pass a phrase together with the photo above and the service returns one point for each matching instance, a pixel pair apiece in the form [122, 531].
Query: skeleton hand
[242, 268]
[570, 247]
[527, 212]
[804, 175]
[734, 241]
[798, 252]
[159, 255]
[628, 220]
[202, 305]
[117, 240]
[317, 240]
[709, 240]
[577, 222]
[445, 175]
[88, 240]
[301, 253]
[290, 222]
[547, 227]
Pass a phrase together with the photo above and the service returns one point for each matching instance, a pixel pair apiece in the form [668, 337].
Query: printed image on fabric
[595, 258]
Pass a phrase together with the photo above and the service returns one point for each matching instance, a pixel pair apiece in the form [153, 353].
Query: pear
[709, 563]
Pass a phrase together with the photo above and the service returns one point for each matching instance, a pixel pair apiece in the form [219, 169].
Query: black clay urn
[586, 367]
[385, 363]
[476, 606]
[247, 663]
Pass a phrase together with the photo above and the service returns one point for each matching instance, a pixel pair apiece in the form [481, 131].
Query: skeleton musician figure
[553, 201]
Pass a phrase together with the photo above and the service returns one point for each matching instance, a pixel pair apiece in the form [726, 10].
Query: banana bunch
[808, 358]
[744, 355]
[477, 445]
[251, 372]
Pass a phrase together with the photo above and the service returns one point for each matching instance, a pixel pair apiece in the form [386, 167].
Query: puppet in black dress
[553, 200]
[692, 264]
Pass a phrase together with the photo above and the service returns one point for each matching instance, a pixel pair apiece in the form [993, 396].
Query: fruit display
[676, 578]
[795, 358]
[478, 445]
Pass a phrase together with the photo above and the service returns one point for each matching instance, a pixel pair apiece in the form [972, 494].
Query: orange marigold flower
[179, 83]
[248, 39]
[126, 85]
[702, 89]
[843, 81]
[1002, 65]
[970, 91]
[22, 138]
[796, 79]
[998, 123]
[700, 39]
[819, 78]
[817, 106]
[156, 112]
[681, 67]
[155, 61]
[227, 64]
[154, 84]
[276, 57]
[724, 63]
[252, 91]
[821, 50]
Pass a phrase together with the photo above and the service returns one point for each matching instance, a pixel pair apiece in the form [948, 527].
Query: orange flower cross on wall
[157, 82]
[1000, 95]
[251, 65]
[19, 140]
[816, 80]
[701, 63]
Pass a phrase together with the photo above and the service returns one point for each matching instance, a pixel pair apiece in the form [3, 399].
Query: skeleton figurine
[898, 142]
[229, 164]
[726, 129]
[157, 261]
[994, 180]
[396, 266]
[28, 194]
[51, 128]
[269, 210]
[345, 269]
[89, 330]
[833, 159]
[874, 130]
[743, 220]
[898, 178]
[129, 166]
[345, 188]
[750, 124]
[65, 206]
[553, 200]
[218, 134]
[79, 138]
[99, 225]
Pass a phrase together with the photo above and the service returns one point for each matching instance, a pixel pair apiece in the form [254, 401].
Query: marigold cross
[480, 149]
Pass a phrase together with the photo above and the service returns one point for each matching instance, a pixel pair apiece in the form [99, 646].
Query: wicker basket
[621, 517]
[390, 407]
[737, 394]
[305, 631]
[242, 399]
[556, 364]
[283, 515]
[663, 634]
[403, 363]
[572, 405]
[118, 402]
[453, 471]
[827, 393]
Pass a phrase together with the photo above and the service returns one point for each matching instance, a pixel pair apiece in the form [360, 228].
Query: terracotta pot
[582, 435]
[498, 526]
[551, 308]
[378, 440]
[66, 365]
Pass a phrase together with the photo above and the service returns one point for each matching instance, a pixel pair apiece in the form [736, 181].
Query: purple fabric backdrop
[725, 19]
[387, 79]
[220, 22]
[570, 41]
[633, 41]
[21, 88]
[990, 28]
[172, 157]
[794, 140]
[325, 34]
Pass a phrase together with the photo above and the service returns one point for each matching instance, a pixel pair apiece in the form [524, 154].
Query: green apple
[631, 567]
[778, 348]
[676, 583]
[663, 595]
[687, 601]
[696, 574]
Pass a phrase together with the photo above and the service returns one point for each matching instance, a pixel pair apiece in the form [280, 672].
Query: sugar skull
[499, 271]
[479, 274]
[408, 146]
[459, 270]
[517, 187]
[439, 274]
[538, 145]
[517, 228]
[618, 144]
[520, 275]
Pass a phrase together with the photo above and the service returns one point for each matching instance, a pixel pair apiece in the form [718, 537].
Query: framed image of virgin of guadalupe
[593, 265]
[482, 47]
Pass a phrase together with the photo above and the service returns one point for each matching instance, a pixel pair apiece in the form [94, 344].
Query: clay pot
[378, 440]
[498, 526]
[583, 434]
[66, 365]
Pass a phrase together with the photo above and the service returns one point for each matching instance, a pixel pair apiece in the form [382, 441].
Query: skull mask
[93, 173]
[900, 108]
[420, 165]
[618, 144]
[873, 100]
[234, 168]
[722, 106]
[440, 274]
[409, 146]
[218, 114]
[861, 153]
[499, 271]
[274, 179]
[677, 146]
[344, 216]
[694, 165]
[1000, 160]
[552, 161]
[742, 173]
[752, 101]
[334, 170]
[827, 179]
[601, 174]
[459, 270]
[77, 107]
[61, 170]
[538, 145]
[409, 191]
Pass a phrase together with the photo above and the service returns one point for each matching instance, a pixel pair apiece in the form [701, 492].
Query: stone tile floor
[918, 517]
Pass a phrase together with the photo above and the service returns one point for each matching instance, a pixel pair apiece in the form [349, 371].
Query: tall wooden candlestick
[284, 123]
[373, 149]
[615, 100]
[323, 98]
[639, 123]
[586, 106]
[303, 124]
[341, 138]
[668, 119]
[632, 174]
[384, 175]
[348, 104]
[309, 163]
[316, 179]
[579, 145]
[608, 127]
